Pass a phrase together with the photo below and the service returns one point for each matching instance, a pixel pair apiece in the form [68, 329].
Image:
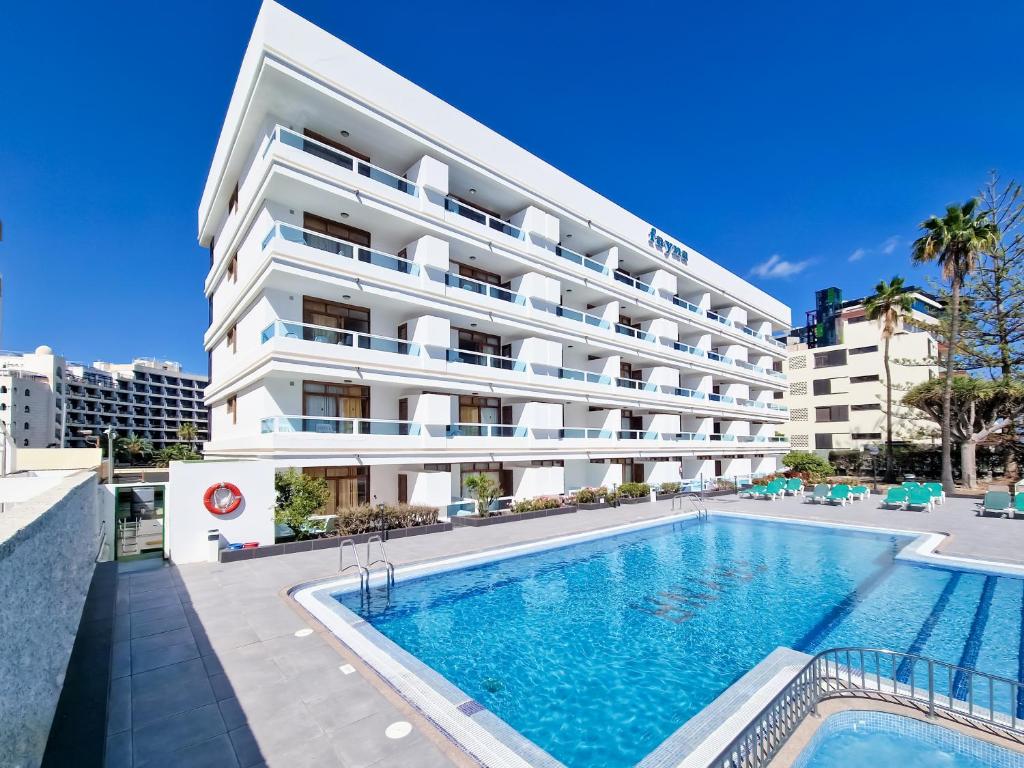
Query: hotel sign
[670, 249]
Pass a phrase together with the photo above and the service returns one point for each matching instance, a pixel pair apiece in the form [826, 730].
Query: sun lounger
[896, 497]
[840, 494]
[774, 489]
[820, 493]
[795, 486]
[996, 503]
[859, 492]
[1018, 504]
[754, 490]
[920, 498]
[935, 489]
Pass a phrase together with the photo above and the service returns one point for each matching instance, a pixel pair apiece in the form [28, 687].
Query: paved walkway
[208, 668]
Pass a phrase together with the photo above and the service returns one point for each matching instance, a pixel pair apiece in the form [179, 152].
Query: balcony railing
[637, 434]
[475, 214]
[632, 282]
[334, 425]
[688, 306]
[585, 433]
[294, 234]
[719, 318]
[490, 361]
[582, 317]
[484, 289]
[579, 258]
[344, 160]
[463, 429]
[323, 335]
[642, 386]
[587, 376]
[635, 333]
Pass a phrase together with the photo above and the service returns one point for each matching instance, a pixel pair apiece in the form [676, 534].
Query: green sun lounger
[920, 498]
[935, 489]
[820, 493]
[840, 494]
[859, 492]
[1018, 504]
[996, 503]
[754, 490]
[795, 486]
[896, 497]
[774, 489]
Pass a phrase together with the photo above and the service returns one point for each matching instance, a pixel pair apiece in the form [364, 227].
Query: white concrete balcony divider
[311, 146]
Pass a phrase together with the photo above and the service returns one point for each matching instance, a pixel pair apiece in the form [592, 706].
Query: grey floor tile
[247, 749]
[317, 752]
[274, 733]
[148, 658]
[217, 752]
[419, 753]
[118, 753]
[221, 687]
[170, 734]
[119, 706]
[121, 659]
[156, 599]
[168, 691]
[335, 713]
[158, 625]
[363, 743]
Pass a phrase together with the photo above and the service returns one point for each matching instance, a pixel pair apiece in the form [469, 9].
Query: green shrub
[635, 490]
[535, 504]
[366, 518]
[485, 490]
[298, 496]
[670, 488]
[591, 495]
[810, 464]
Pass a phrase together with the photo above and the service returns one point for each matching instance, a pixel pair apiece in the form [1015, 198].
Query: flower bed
[524, 509]
[328, 542]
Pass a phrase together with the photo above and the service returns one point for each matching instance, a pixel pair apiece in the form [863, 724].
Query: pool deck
[207, 668]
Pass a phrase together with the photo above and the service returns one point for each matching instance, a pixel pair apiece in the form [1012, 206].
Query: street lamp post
[873, 450]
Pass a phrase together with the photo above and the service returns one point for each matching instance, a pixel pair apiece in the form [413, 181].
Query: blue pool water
[598, 651]
[878, 739]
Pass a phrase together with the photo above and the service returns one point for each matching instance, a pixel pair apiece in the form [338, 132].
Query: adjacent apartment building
[48, 402]
[401, 298]
[836, 372]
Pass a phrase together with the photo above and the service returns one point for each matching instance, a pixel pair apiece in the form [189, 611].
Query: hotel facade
[400, 298]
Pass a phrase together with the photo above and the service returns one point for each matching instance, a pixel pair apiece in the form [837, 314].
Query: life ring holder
[214, 499]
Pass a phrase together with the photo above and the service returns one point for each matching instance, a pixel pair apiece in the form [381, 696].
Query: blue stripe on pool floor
[973, 645]
[907, 666]
[1020, 662]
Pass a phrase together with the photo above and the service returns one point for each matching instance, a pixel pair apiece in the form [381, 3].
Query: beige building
[836, 369]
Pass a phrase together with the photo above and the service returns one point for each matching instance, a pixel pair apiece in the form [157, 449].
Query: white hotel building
[400, 297]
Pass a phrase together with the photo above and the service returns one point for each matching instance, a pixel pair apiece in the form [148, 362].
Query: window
[829, 413]
[830, 359]
[3, 389]
[233, 200]
[232, 406]
[777, 395]
[233, 269]
[344, 317]
[866, 435]
[866, 407]
[437, 467]
[232, 339]
[328, 401]
[864, 379]
[864, 350]
[480, 275]
[823, 386]
[822, 441]
[26, 425]
[25, 443]
[28, 392]
[27, 409]
[347, 486]
[474, 341]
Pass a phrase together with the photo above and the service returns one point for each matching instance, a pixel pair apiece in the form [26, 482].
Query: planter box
[592, 504]
[330, 542]
[638, 500]
[478, 522]
[664, 496]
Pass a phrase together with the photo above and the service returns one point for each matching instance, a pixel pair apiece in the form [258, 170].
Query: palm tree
[134, 447]
[954, 242]
[890, 305]
[188, 433]
[485, 490]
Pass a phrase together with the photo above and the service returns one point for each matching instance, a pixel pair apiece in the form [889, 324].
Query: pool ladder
[382, 558]
[698, 505]
[357, 564]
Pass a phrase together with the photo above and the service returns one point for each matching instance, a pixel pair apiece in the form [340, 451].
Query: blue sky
[797, 144]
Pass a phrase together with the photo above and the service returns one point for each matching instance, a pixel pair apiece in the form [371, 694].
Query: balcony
[347, 250]
[484, 289]
[463, 429]
[480, 217]
[334, 425]
[586, 376]
[636, 333]
[489, 361]
[632, 282]
[323, 335]
[579, 258]
[585, 433]
[344, 160]
[582, 317]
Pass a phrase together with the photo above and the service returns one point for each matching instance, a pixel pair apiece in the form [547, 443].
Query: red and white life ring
[222, 498]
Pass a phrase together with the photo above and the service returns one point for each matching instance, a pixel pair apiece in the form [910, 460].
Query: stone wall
[47, 555]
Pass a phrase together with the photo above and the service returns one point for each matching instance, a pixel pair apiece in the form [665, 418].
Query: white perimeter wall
[187, 519]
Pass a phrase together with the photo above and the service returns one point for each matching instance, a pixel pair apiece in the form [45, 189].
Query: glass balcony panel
[467, 211]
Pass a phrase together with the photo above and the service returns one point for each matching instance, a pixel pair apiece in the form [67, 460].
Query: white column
[431, 176]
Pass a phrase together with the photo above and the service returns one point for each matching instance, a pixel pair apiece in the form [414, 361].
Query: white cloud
[889, 246]
[778, 267]
[858, 254]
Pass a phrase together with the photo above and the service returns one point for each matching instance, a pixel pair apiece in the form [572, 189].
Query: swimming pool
[870, 739]
[598, 651]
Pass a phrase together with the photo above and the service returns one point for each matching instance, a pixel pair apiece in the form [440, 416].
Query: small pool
[858, 739]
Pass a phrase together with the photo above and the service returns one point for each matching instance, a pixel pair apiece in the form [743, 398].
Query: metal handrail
[364, 572]
[894, 676]
[382, 558]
